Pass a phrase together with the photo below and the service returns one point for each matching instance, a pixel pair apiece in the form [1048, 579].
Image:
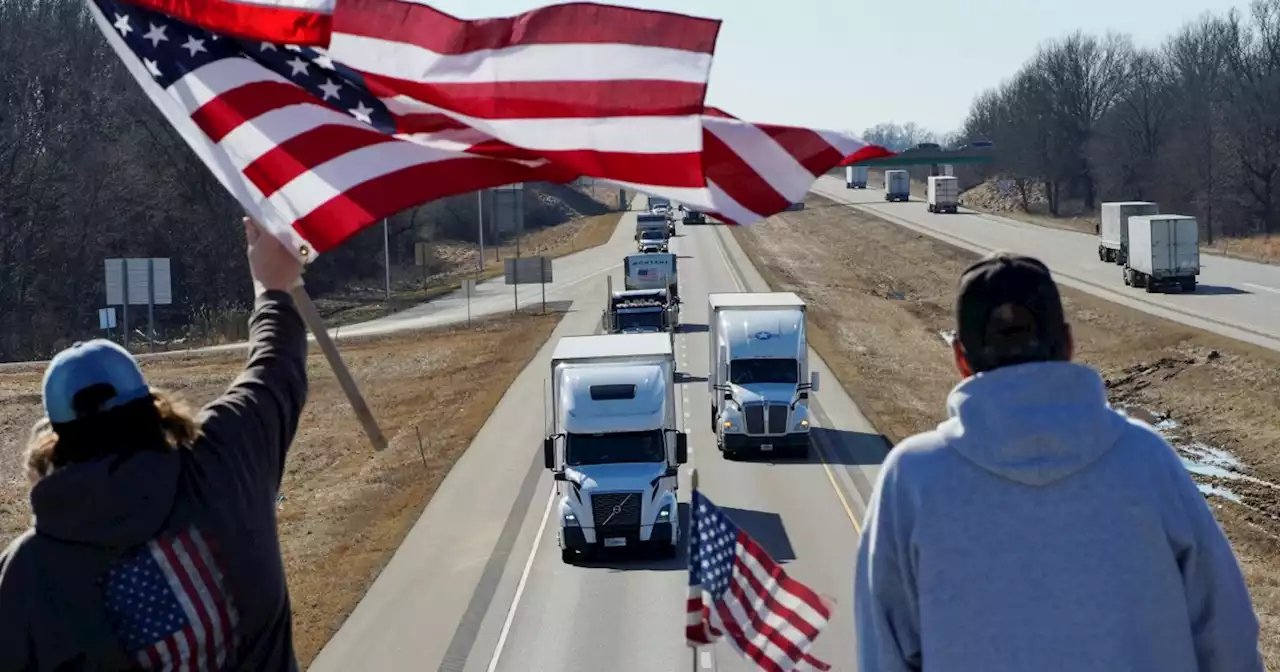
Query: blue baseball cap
[83, 365]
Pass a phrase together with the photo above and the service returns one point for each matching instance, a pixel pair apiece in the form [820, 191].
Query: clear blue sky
[849, 64]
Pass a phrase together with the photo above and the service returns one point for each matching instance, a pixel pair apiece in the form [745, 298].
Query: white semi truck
[614, 450]
[943, 194]
[1163, 251]
[1113, 230]
[855, 177]
[897, 185]
[759, 379]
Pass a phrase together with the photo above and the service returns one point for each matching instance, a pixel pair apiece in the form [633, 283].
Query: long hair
[159, 421]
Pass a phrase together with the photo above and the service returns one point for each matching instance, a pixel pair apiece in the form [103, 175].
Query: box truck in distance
[855, 177]
[897, 185]
[943, 194]
[1114, 228]
[759, 378]
[614, 451]
[1164, 251]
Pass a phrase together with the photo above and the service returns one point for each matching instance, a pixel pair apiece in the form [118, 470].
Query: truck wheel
[1189, 285]
[1128, 277]
[666, 551]
[930, 207]
[568, 556]
[713, 418]
[1148, 285]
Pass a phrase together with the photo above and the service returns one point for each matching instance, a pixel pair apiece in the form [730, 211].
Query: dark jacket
[148, 558]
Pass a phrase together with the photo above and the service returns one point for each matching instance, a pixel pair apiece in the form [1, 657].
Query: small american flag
[170, 608]
[736, 588]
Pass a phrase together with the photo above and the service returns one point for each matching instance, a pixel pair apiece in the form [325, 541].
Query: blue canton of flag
[169, 607]
[736, 588]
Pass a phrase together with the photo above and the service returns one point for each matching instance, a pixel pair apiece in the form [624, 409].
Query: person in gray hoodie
[153, 543]
[1038, 529]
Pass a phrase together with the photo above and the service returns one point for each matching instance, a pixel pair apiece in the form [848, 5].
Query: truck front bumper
[590, 540]
[765, 445]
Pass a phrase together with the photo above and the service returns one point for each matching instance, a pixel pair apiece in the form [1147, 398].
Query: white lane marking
[1264, 288]
[524, 578]
[705, 660]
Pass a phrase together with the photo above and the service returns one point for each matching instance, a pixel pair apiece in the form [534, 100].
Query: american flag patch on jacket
[168, 604]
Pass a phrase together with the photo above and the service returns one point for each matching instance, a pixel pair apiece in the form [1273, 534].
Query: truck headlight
[665, 514]
[800, 417]
[570, 520]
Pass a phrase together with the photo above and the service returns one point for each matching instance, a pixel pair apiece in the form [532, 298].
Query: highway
[1235, 298]
[478, 585]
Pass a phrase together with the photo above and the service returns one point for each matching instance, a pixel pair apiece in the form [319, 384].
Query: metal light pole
[480, 224]
[386, 255]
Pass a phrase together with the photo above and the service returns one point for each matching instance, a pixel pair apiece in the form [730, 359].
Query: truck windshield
[747, 371]
[655, 203]
[646, 321]
[652, 234]
[614, 448]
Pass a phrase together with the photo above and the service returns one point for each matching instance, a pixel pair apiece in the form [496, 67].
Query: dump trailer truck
[759, 378]
[1113, 230]
[855, 177]
[897, 185]
[943, 194]
[1163, 251]
[614, 450]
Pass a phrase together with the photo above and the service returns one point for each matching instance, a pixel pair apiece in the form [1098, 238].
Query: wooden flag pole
[693, 487]
[316, 324]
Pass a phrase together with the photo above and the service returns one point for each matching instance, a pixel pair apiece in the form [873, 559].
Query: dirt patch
[343, 509]
[361, 304]
[881, 301]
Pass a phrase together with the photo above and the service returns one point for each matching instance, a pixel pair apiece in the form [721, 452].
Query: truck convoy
[897, 185]
[614, 450]
[855, 177]
[1114, 228]
[759, 358]
[1163, 251]
[650, 301]
[943, 194]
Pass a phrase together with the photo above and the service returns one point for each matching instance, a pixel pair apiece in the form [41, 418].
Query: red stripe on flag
[728, 171]
[799, 590]
[807, 147]
[303, 152]
[744, 644]
[248, 21]
[229, 110]
[866, 153]
[549, 100]
[573, 23]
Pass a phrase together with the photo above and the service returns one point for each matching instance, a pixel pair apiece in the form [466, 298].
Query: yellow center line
[835, 485]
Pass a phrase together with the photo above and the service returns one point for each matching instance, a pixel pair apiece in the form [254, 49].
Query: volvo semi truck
[614, 449]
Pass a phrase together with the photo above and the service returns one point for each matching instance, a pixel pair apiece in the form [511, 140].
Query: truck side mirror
[813, 381]
[549, 452]
[682, 448]
[728, 395]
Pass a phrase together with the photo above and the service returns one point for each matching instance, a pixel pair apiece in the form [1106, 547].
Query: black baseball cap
[1009, 311]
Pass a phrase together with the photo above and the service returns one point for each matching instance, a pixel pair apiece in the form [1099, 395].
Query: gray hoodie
[1038, 529]
[156, 557]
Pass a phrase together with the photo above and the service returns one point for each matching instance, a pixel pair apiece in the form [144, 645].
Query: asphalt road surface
[478, 585]
[1235, 298]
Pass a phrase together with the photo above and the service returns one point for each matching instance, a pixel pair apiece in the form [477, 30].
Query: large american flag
[323, 116]
[169, 606]
[736, 588]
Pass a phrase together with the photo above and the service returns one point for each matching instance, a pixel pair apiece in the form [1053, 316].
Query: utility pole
[480, 224]
[386, 255]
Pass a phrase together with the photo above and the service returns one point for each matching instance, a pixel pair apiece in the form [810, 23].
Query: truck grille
[626, 504]
[755, 416]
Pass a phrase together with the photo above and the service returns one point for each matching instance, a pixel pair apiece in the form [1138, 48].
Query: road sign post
[528, 271]
[140, 282]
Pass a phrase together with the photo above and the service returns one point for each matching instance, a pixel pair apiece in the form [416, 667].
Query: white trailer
[1164, 251]
[943, 194]
[897, 185]
[855, 177]
[759, 379]
[615, 450]
[1113, 230]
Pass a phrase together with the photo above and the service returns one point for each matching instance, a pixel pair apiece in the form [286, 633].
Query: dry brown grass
[576, 235]
[344, 509]
[880, 295]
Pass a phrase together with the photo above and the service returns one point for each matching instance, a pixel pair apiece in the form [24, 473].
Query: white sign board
[527, 270]
[143, 276]
[106, 318]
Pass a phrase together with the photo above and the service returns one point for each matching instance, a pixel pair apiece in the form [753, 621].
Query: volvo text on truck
[1114, 228]
[759, 378]
[614, 451]
[855, 177]
[943, 194]
[1164, 251]
[897, 185]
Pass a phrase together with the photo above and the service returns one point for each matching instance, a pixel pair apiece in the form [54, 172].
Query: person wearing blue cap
[153, 542]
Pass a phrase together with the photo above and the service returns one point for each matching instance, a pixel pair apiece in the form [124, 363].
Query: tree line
[90, 170]
[1193, 124]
